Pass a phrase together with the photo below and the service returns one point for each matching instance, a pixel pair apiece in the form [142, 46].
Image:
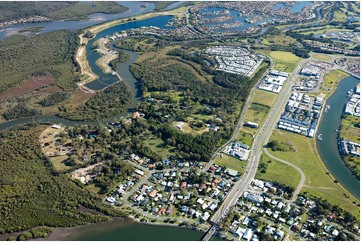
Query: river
[134, 8]
[327, 148]
[132, 232]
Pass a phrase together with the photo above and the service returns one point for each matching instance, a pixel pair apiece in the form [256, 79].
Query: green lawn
[331, 80]
[284, 56]
[350, 128]
[245, 138]
[232, 163]
[256, 113]
[317, 182]
[279, 172]
[263, 97]
[284, 61]
[58, 163]
[322, 57]
[157, 145]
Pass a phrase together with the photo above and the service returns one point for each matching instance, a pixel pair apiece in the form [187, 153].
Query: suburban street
[256, 150]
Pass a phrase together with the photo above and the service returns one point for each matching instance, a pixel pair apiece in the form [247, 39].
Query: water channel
[327, 148]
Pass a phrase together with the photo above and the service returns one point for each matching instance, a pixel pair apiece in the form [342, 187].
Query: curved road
[303, 177]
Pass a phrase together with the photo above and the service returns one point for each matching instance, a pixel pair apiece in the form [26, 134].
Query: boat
[350, 92]
[327, 108]
[319, 136]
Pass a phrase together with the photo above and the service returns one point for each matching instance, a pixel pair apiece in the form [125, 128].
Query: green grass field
[284, 61]
[317, 182]
[331, 80]
[245, 137]
[58, 163]
[349, 129]
[279, 172]
[256, 113]
[322, 57]
[232, 163]
[263, 97]
[284, 56]
[157, 146]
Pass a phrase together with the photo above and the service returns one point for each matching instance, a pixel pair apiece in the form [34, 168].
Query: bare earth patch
[33, 83]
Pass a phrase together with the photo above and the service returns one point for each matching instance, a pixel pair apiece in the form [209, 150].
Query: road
[256, 150]
[239, 123]
[303, 177]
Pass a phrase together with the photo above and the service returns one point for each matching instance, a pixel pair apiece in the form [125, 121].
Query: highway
[256, 150]
[239, 123]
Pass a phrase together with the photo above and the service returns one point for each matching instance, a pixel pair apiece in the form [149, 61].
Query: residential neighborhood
[235, 60]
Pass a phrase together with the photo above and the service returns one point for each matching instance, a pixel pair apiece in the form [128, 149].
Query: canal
[327, 148]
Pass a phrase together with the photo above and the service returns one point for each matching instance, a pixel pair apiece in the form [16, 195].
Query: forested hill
[30, 189]
[56, 10]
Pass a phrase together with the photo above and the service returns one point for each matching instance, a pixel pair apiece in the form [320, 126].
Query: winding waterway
[134, 8]
[327, 148]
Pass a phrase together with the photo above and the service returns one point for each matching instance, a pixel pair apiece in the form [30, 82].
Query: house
[137, 115]
[335, 232]
[280, 205]
[184, 208]
[110, 200]
[279, 234]
[153, 193]
[248, 234]
[213, 168]
[161, 211]
[231, 172]
[296, 228]
[144, 202]
[205, 216]
[169, 209]
[200, 201]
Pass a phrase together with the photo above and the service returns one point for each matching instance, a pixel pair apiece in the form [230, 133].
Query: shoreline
[61, 233]
[81, 50]
[315, 146]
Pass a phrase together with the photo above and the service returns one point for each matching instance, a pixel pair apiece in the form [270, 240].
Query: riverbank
[85, 69]
[125, 229]
[66, 232]
[327, 148]
[86, 73]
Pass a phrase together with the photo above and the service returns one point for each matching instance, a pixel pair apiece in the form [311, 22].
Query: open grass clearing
[256, 113]
[185, 127]
[157, 145]
[280, 40]
[231, 162]
[322, 57]
[349, 129]
[284, 61]
[278, 172]
[285, 66]
[58, 163]
[331, 80]
[264, 97]
[245, 137]
[317, 182]
[284, 56]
